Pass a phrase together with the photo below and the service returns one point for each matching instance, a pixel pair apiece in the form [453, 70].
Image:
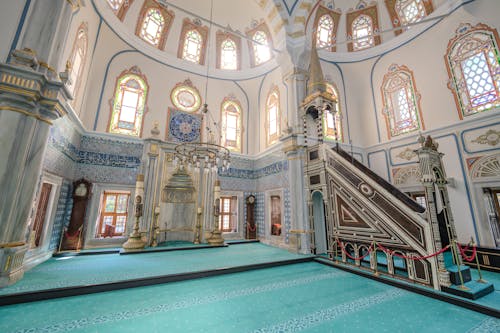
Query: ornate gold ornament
[491, 137]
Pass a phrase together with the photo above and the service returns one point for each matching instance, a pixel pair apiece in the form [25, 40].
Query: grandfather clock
[73, 237]
[251, 226]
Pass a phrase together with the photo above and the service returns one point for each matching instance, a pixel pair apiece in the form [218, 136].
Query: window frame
[233, 215]
[273, 138]
[187, 26]
[466, 31]
[335, 16]
[221, 37]
[403, 73]
[251, 33]
[237, 146]
[352, 15]
[329, 132]
[80, 38]
[395, 17]
[168, 17]
[113, 124]
[102, 213]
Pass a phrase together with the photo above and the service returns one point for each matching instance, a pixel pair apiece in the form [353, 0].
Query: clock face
[81, 190]
[251, 199]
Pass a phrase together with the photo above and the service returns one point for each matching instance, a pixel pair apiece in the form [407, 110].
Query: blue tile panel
[63, 214]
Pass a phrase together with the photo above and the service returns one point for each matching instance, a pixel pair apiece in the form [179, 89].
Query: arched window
[474, 67]
[153, 23]
[362, 33]
[332, 122]
[120, 7]
[129, 103]
[115, 4]
[401, 101]
[231, 124]
[273, 116]
[192, 46]
[324, 33]
[228, 55]
[228, 51]
[193, 40]
[410, 11]
[77, 58]
[362, 26]
[261, 50]
[152, 26]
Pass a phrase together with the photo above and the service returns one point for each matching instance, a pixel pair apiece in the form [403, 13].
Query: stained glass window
[400, 101]
[332, 121]
[474, 64]
[228, 54]
[77, 58]
[192, 46]
[115, 4]
[362, 33]
[410, 11]
[231, 125]
[186, 97]
[262, 52]
[324, 32]
[152, 26]
[273, 116]
[128, 105]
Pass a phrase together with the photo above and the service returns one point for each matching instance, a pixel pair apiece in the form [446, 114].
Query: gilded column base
[134, 242]
[11, 263]
[216, 238]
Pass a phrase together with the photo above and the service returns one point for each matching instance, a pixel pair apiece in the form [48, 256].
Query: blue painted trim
[286, 91]
[396, 147]
[397, 47]
[171, 66]
[462, 167]
[386, 161]
[373, 99]
[474, 129]
[104, 83]
[247, 113]
[403, 44]
[258, 107]
[466, 182]
[19, 28]
[290, 10]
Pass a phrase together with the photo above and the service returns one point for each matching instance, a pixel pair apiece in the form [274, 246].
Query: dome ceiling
[291, 25]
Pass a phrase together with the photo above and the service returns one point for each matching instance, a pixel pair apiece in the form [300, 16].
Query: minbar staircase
[363, 209]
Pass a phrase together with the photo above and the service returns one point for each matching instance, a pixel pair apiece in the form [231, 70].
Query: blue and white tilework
[63, 214]
[260, 217]
[287, 213]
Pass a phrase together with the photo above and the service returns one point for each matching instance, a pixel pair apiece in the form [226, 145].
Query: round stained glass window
[186, 98]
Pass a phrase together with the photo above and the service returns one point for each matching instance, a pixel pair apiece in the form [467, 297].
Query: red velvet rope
[387, 251]
[466, 248]
[354, 258]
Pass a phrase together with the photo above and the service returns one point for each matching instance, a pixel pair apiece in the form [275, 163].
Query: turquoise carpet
[84, 270]
[307, 297]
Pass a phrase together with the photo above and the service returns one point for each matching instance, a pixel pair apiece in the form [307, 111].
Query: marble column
[31, 97]
[152, 182]
[296, 88]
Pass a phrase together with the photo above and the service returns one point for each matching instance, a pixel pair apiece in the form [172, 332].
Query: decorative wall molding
[490, 137]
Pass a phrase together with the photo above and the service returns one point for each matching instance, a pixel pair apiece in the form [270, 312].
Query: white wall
[10, 18]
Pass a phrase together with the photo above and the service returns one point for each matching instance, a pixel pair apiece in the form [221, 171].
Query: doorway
[319, 223]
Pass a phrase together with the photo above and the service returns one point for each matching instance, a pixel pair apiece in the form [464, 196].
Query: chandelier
[202, 156]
